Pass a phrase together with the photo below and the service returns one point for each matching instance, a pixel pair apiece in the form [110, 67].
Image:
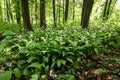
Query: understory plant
[68, 53]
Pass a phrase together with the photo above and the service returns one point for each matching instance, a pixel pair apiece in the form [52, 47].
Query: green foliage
[102, 71]
[9, 26]
[66, 76]
[6, 75]
[70, 51]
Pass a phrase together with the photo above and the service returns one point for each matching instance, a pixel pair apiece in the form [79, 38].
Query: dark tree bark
[54, 14]
[86, 11]
[42, 14]
[58, 11]
[26, 15]
[17, 9]
[109, 6]
[66, 10]
[105, 9]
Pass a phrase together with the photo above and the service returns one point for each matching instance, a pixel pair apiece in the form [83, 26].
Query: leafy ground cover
[4, 26]
[71, 53]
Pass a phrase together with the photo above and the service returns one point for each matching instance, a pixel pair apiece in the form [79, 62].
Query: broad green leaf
[26, 72]
[53, 64]
[1, 48]
[70, 60]
[59, 63]
[96, 51]
[35, 65]
[30, 45]
[23, 50]
[8, 33]
[34, 77]
[54, 58]
[6, 75]
[24, 41]
[17, 73]
[31, 59]
[46, 59]
[2, 60]
[71, 77]
[63, 62]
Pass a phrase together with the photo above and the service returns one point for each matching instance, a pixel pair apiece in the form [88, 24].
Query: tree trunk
[42, 14]
[26, 16]
[86, 11]
[7, 11]
[54, 14]
[17, 9]
[66, 10]
[109, 6]
[59, 11]
[10, 11]
[105, 9]
[63, 11]
[36, 16]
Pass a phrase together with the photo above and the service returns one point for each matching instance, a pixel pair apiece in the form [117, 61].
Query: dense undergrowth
[70, 53]
[9, 26]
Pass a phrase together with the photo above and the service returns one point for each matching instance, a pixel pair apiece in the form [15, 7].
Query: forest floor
[92, 54]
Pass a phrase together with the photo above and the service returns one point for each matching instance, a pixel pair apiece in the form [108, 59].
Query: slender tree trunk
[63, 11]
[36, 16]
[105, 9]
[42, 14]
[86, 11]
[7, 10]
[10, 11]
[18, 15]
[54, 14]
[108, 10]
[59, 11]
[66, 10]
[26, 15]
